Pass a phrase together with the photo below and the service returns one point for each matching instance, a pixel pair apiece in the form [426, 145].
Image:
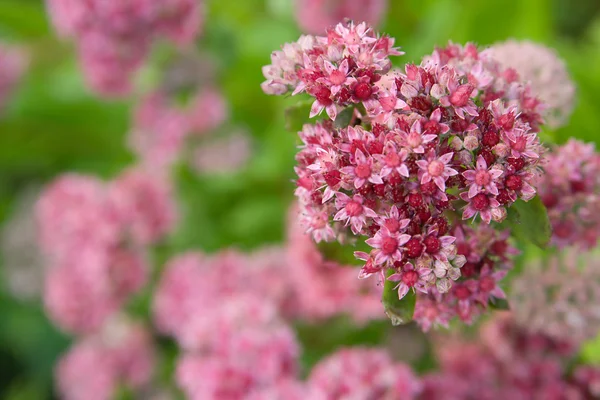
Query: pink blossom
[543, 69]
[387, 246]
[242, 359]
[114, 38]
[352, 211]
[351, 53]
[144, 202]
[13, 63]
[324, 288]
[430, 313]
[158, 132]
[418, 143]
[484, 205]
[362, 373]
[315, 16]
[162, 128]
[78, 297]
[415, 139]
[482, 178]
[178, 292]
[363, 171]
[410, 278]
[393, 161]
[569, 189]
[87, 371]
[557, 297]
[502, 362]
[66, 210]
[483, 258]
[289, 389]
[459, 98]
[436, 170]
[94, 367]
[206, 111]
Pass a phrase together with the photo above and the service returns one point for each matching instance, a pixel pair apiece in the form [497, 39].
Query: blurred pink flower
[559, 296]
[87, 371]
[285, 389]
[162, 127]
[545, 71]
[570, 189]
[67, 209]
[94, 366]
[78, 297]
[503, 362]
[223, 154]
[144, 202]
[92, 235]
[175, 296]
[114, 37]
[239, 344]
[194, 278]
[315, 16]
[13, 62]
[363, 373]
[206, 111]
[323, 288]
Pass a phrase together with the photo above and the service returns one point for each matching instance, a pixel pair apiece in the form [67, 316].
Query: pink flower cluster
[315, 16]
[245, 348]
[543, 68]
[95, 366]
[114, 37]
[559, 296]
[453, 132]
[487, 257]
[94, 235]
[236, 342]
[570, 190]
[363, 373]
[12, 66]
[506, 363]
[238, 345]
[338, 70]
[162, 127]
[322, 287]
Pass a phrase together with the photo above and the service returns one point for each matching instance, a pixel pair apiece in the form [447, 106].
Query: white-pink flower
[436, 169]
[482, 178]
[352, 211]
[387, 246]
[363, 171]
[408, 277]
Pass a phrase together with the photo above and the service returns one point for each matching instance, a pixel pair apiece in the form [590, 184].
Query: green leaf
[498, 304]
[529, 221]
[298, 115]
[319, 339]
[342, 253]
[344, 117]
[400, 311]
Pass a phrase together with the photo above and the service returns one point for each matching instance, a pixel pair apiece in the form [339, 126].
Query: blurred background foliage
[54, 124]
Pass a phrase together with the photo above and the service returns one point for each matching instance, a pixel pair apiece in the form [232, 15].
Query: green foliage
[400, 311]
[343, 254]
[319, 340]
[529, 222]
[499, 304]
[297, 115]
